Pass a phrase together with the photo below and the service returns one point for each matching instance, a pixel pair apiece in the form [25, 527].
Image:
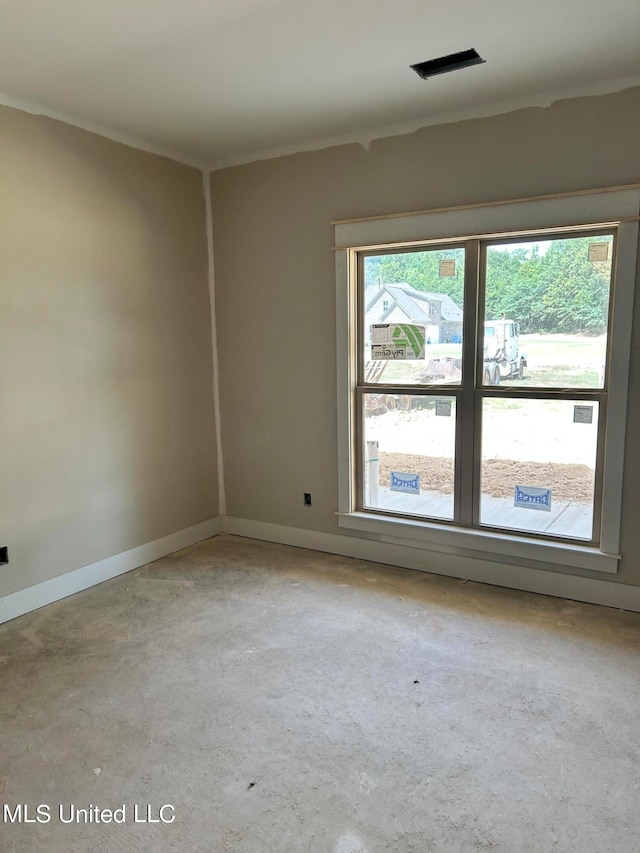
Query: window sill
[481, 544]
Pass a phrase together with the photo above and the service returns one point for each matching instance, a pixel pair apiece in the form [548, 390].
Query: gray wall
[107, 436]
[275, 291]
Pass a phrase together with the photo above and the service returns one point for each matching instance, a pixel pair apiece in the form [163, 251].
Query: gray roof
[408, 299]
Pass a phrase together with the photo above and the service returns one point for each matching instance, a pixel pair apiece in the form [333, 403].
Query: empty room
[320, 383]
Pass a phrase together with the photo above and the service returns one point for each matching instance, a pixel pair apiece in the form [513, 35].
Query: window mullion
[599, 475]
[466, 440]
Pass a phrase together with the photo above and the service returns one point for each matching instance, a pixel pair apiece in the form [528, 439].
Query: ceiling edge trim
[366, 137]
[114, 135]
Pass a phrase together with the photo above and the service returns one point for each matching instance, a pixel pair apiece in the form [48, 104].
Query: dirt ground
[570, 482]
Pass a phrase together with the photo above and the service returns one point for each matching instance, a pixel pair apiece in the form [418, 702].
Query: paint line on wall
[370, 135]
[206, 187]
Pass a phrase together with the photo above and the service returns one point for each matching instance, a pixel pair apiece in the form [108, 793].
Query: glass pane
[412, 317]
[408, 454]
[546, 312]
[538, 465]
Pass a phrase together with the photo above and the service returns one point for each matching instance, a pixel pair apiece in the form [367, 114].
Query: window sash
[470, 392]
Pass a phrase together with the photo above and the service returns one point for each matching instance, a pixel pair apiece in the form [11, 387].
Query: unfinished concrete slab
[284, 700]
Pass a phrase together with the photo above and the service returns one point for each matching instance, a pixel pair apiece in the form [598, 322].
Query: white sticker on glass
[443, 408]
[397, 342]
[447, 268]
[598, 252]
[583, 414]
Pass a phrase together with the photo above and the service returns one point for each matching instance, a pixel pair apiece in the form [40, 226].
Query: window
[503, 433]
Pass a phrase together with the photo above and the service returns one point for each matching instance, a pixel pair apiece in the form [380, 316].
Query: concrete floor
[284, 700]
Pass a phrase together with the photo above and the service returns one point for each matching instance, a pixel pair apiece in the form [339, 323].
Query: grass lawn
[573, 361]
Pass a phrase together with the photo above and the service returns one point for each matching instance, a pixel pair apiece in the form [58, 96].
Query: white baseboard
[573, 587]
[33, 597]
[576, 588]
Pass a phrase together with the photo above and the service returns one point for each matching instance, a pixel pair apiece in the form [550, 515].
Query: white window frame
[619, 208]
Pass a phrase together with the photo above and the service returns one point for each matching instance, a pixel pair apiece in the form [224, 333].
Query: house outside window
[506, 436]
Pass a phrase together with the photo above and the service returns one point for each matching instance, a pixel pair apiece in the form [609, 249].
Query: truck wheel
[521, 371]
[496, 376]
[486, 379]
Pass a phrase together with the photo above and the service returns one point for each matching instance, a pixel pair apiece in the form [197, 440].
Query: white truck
[502, 358]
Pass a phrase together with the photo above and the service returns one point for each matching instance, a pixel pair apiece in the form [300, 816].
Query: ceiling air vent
[448, 63]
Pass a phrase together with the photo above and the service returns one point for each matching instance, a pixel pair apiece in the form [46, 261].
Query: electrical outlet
[4, 556]
[307, 498]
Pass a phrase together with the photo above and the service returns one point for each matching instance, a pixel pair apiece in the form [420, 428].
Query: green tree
[576, 295]
[547, 287]
[514, 286]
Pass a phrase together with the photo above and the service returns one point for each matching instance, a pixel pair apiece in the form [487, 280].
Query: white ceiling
[221, 81]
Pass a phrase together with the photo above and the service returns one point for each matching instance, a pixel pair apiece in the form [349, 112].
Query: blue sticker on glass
[409, 483]
[530, 497]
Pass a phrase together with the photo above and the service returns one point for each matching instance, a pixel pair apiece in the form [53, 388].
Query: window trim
[619, 208]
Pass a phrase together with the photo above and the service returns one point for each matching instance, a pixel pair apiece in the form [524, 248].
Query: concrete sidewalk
[566, 518]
